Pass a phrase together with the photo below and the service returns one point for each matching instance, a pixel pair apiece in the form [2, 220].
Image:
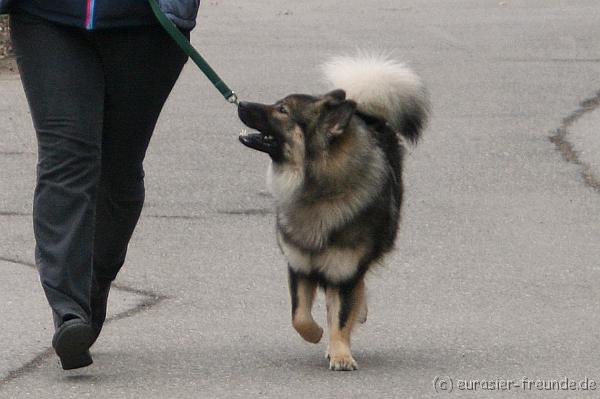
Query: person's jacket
[102, 14]
[4, 6]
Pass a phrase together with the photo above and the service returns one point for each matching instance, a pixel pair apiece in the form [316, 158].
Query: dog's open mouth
[259, 141]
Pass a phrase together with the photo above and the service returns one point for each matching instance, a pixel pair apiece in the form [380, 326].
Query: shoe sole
[72, 342]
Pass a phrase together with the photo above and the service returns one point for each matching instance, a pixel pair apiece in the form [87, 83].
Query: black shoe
[71, 342]
[98, 303]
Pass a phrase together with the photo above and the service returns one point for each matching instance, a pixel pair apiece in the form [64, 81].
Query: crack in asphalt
[566, 148]
[228, 212]
[175, 217]
[9, 153]
[247, 212]
[27, 367]
[9, 213]
[151, 299]
[557, 60]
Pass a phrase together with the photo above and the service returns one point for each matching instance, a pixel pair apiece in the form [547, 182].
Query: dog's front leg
[302, 292]
[363, 309]
[343, 307]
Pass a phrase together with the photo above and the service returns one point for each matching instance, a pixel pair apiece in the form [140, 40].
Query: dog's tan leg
[302, 291]
[343, 307]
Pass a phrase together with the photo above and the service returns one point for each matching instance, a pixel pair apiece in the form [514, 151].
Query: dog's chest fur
[335, 264]
[305, 228]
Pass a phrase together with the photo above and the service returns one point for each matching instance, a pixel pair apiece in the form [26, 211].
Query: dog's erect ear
[337, 115]
[338, 94]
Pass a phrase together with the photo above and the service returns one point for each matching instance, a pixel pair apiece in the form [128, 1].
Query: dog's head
[297, 127]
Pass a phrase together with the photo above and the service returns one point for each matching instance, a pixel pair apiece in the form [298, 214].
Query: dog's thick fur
[336, 177]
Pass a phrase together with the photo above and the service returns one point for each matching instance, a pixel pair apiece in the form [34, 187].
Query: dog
[336, 179]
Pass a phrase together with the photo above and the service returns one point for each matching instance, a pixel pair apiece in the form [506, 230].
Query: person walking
[96, 74]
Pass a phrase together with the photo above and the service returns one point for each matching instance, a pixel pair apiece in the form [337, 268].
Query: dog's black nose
[243, 104]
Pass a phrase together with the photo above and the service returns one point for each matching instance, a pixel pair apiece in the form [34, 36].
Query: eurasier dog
[336, 178]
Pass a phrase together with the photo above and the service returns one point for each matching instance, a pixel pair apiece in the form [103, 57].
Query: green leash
[185, 45]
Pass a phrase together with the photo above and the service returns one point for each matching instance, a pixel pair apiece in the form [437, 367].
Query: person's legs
[64, 83]
[141, 65]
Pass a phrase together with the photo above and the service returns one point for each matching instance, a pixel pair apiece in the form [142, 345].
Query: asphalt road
[495, 275]
[584, 135]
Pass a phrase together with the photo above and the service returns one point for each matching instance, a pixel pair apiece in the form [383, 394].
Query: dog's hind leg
[343, 308]
[302, 292]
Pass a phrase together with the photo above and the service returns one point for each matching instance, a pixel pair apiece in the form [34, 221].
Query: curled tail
[383, 88]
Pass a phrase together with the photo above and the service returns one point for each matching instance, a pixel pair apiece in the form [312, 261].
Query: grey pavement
[495, 275]
[585, 137]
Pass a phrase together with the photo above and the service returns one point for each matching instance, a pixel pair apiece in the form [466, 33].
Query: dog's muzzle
[255, 117]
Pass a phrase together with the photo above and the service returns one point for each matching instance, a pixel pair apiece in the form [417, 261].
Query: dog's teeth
[244, 132]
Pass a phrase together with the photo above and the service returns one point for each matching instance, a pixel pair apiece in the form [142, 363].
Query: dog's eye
[282, 110]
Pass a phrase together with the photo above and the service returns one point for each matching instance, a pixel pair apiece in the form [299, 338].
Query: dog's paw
[362, 315]
[342, 362]
[309, 330]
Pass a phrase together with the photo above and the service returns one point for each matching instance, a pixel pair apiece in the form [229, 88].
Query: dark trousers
[95, 98]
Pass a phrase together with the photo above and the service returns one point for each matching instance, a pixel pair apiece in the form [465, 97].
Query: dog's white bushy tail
[382, 87]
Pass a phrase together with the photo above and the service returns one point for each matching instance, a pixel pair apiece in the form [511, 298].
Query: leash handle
[185, 45]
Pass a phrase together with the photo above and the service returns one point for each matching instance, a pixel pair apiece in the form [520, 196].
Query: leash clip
[233, 98]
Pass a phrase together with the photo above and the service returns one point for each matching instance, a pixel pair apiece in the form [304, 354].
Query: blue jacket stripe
[90, 19]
